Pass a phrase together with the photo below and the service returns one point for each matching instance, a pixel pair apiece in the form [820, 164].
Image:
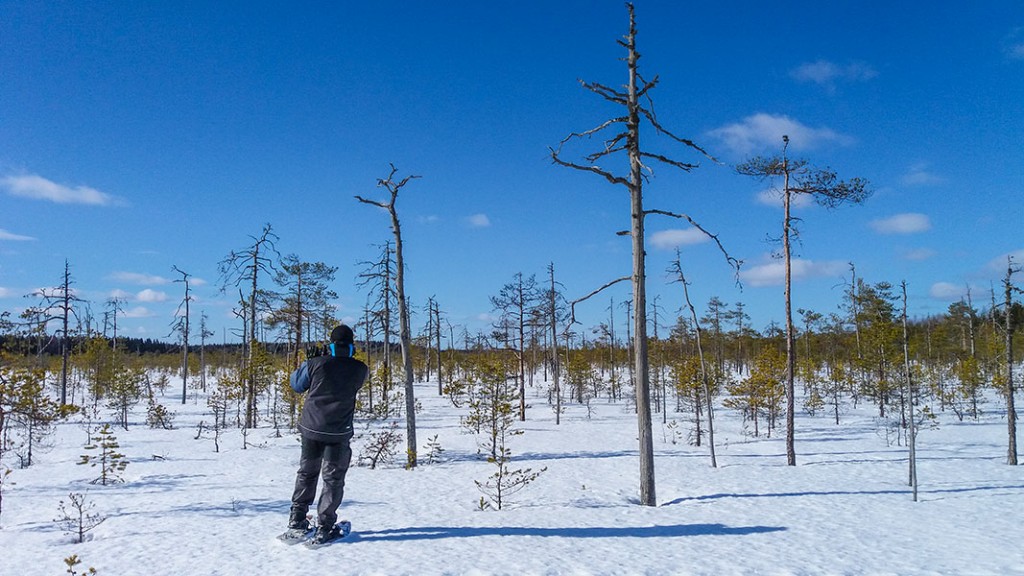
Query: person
[326, 425]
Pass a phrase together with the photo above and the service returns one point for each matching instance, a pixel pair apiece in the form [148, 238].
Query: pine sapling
[433, 449]
[382, 446]
[79, 518]
[73, 561]
[111, 462]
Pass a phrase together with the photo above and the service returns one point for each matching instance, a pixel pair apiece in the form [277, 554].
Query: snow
[845, 509]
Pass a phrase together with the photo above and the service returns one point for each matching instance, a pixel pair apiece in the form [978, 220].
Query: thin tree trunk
[1011, 411]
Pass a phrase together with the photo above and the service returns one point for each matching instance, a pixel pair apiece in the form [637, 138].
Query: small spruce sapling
[79, 518]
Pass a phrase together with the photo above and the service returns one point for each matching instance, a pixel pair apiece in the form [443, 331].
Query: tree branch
[733, 262]
[594, 169]
[572, 305]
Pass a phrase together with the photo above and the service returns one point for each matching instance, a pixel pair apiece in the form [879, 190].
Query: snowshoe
[295, 535]
[325, 535]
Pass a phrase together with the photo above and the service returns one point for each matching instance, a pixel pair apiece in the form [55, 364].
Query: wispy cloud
[6, 292]
[38, 188]
[5, 235]
[671, 239]
[149, 295]
[827, 74]
[762, 131]
[998, 264]
[774, 273]
[919, 175]
[919, 254]
[947, 292]
[140, 279]
[479, 221]
[429, 219]
[909, 223]
[138, 312]
[1013, 44]
[772, 197]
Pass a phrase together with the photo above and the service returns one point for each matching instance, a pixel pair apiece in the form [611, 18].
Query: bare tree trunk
[912, 441]
[790, 336]
[552, 310]
[643, 384]
[405, 332]
[1011, 411]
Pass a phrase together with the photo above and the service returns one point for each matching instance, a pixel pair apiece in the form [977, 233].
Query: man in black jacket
[332, 382]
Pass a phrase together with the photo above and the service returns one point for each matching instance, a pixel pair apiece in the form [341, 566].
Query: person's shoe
[325, 534]
[297, 520]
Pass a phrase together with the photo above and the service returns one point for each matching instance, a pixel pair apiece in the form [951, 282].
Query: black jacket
[333, 383]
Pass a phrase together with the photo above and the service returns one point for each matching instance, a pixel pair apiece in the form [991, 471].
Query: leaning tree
[626, 139]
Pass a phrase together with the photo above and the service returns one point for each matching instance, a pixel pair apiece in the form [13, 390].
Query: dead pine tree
[627, 140]
[1011, 411]
[822, 185]
[246, 266]
[182, 325]
[59, 304]
[676, 268]
[404, 330]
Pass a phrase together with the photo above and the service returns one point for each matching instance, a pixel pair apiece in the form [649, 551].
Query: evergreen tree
[106, 456]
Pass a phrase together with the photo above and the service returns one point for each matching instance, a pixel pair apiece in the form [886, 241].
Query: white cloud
[772, 197]
[5, 235]
[1013, 44]
[826, 74]
[774, 273]
[918, 175]
[6, 292]
[138, 312]
[998, 264]
[140, 279]
[430, 219]
[947, 292]
[39, 188]
[918, 254]
[149, 295]
[909, 223]
[479, 221]
[765, 131]
[121, 294]
[671, 239]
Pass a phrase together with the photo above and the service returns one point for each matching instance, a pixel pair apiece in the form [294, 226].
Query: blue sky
[137, 136]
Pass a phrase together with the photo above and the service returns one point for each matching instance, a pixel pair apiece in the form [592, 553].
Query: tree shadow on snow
[671, 531]
[923, 491]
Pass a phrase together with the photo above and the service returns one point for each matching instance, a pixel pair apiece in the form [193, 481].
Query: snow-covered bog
[845, 508]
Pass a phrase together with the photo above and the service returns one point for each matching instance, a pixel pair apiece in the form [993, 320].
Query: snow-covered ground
[845, 509]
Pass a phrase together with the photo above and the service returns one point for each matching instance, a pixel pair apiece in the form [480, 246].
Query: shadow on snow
[671, 531]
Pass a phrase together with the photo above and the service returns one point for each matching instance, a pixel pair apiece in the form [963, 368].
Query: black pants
[333, 460]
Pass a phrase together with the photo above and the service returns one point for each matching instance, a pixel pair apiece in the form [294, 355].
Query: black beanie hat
[342, 334]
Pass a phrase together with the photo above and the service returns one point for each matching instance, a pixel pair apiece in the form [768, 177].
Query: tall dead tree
[1011, 410]
[822, 185]
[912, 417]
[246, 266]
[58, 303]
[404, 330]
[182, 325]
[515, 302]
[677, 269]
[627, 140]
